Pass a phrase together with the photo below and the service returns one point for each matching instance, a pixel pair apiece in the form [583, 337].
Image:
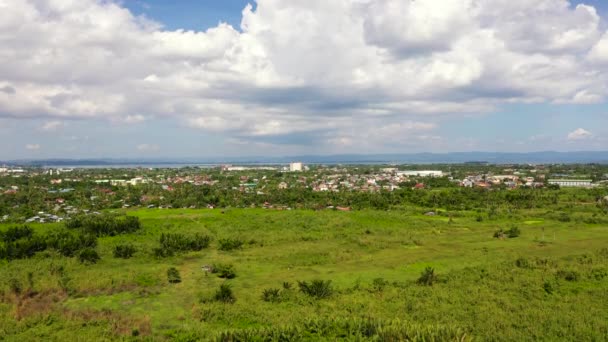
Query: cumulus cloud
[32, 147]
[579, 134]
[318, 70]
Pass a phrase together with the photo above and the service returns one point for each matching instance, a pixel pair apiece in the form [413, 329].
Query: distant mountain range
[548, 157]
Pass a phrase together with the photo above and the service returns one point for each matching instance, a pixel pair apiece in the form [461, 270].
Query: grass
[478, 291]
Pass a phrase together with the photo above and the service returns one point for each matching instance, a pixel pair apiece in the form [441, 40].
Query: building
[421, 173]
[296, 167]
[572, 183]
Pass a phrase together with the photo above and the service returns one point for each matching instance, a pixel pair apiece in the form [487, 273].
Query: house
[282, 185]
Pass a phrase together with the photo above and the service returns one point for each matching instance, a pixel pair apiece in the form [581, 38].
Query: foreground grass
[550, 283]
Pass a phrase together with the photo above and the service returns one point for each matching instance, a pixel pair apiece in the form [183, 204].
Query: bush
[225, 271]
[173, 276]
[379, 284]
[317, 288]
[104, 225]
[499, 234]
[124, 251]
[287, 285]
[15, 286]
[229, 244]
[88, 256]
[427, 277]
[568, 275]
[271, 295]
[224, 294]
[160, 252]
[523, 263]
[173, 243]
[513, 232]
[13, 234]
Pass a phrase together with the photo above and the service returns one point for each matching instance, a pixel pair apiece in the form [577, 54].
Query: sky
[207, 78]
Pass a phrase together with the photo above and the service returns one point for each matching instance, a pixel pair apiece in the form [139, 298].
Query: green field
[550, 283]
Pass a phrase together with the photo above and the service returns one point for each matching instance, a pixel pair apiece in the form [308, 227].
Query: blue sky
[156, 78]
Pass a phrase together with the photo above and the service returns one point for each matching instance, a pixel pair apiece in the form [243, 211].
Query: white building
[421, 173]
[296, 167]
[571, 183]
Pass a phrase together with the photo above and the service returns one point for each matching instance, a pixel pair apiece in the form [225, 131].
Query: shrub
[16, 233]
[568, 275]
[224, 294]
[513, 232]
[225, 271]
[160, 252]
[88, 256]
[427, 277]
[15, 286]
[229, 244]
[317, 288]
[104, 225]
[549, 287]
[499, 234]
[173, 276]
[174, 243]
[287, 285]
[271, 295]
[379, 284]
[599, 273]
[523, 263]
[124, 251]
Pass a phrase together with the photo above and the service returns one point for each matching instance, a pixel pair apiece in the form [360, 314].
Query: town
[54, 194]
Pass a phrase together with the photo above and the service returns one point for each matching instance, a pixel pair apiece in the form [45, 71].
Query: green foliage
[124, 251]
[229, 244]
[22, 243]
[226, 271]
[88, 256]
[15, 286]
[104, 225]
[173, 276]
[13, 234]
[348, 329]
[318, 289]
[224, 294]
[568, 275]
[549, 287]
[287, 285]
[271, 295]
[513, 232]
[172, 243]
[428, 277]
[378, 284]
[523, 263]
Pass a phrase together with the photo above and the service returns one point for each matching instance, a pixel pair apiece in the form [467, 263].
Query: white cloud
[148, 148]
[322, 68]
[32, 147]
[579, 134]
[51, 126]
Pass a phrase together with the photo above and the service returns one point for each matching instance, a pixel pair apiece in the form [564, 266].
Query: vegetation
[124, 251]
[318, 289]
[309, 273]
[225, 271]
[224, 294]
[173, 276]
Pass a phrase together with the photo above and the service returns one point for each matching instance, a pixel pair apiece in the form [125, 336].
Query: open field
[549, 283]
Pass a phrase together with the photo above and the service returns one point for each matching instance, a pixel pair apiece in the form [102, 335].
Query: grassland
[550, 283]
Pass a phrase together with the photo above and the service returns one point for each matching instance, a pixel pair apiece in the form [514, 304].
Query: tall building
[296, 167]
